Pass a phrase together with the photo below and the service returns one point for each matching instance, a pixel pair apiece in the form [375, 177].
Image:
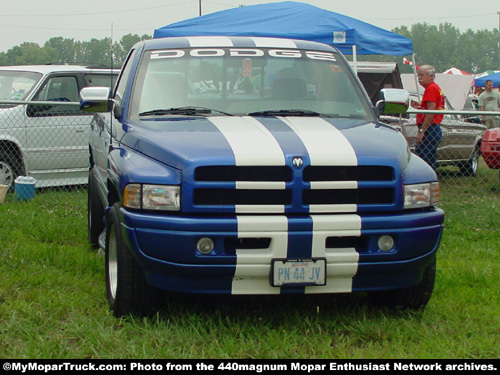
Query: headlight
[152, 197]
[421, 195]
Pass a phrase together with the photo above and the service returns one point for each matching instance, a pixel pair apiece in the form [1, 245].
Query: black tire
[95, 212]
[469, 168]
[415, 297]
[9, 170]
[126, 289]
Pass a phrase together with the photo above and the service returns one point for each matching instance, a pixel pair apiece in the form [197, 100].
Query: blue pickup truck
[243, 166]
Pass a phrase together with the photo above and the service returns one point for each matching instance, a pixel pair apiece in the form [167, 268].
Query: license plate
[298, 272]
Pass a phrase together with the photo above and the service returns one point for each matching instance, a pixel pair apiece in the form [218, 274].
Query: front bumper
[165, 247]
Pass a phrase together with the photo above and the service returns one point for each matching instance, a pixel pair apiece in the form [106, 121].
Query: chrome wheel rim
[6, 174]
[112, 264]
[475, 162]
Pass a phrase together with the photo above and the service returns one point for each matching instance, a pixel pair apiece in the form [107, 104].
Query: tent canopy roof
[294, 20]
[495, 77]
[457, 72]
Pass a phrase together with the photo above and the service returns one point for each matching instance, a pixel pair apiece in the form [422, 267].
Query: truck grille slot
[348, 196]
[348, 173]
[359, 243]
[244, 173]
[246, 243]
[243, 196]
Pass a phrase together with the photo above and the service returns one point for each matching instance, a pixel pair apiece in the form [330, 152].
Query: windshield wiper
[189, 111]
[285, 112]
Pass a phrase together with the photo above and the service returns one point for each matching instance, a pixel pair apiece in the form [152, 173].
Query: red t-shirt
[434, 94]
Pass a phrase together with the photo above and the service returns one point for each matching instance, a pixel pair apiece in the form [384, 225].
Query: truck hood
[185, 143]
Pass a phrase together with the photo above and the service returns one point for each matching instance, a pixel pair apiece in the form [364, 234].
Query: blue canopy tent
[294, 20]
[480, 82]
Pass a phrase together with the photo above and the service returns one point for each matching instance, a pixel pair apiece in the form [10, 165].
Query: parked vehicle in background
[48, 141]
[472, 104]
[244, 166]
[461, 142]
[378, 75]
[490, 149]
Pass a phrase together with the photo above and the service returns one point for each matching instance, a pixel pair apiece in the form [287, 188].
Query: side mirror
[95, 99]
[393, 101]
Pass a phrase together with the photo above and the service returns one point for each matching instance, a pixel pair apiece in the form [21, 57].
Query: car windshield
[16, 85]
[247, 81]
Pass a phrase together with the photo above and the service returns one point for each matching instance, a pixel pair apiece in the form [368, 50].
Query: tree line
[58, 50]
[443, 46]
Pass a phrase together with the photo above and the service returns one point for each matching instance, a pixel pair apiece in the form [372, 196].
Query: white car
[49, 141]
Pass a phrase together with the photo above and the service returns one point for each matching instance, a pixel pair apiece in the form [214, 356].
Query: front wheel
[415, 297]
[95, 211]
[127, 291]
[8, 170]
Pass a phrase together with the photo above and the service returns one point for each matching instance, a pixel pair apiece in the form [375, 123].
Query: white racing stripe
[274, 42]
[253, 266]
[342, 264]
[210, 41]
[223, 41]
[325, 144]
[251, 142]
[261, 185]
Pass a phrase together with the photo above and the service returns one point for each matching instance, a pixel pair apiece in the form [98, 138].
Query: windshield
[17, 85]
[243, 81]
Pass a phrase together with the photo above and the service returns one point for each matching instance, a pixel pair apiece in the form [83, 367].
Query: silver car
[49, 141]
[460, 145]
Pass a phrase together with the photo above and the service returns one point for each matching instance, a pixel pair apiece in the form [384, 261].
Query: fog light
[205, 245]
[385, 243]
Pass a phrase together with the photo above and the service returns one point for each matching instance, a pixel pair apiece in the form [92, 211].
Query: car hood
[187, 142]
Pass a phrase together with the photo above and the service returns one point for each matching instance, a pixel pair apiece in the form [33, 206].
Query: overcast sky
[38, 21]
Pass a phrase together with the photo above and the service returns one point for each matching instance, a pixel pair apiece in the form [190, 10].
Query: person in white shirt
[489, 100]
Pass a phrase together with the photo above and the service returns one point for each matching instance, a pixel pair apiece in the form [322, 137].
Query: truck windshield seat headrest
[289, 88]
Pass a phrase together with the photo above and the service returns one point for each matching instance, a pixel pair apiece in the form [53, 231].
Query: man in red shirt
[429, 131]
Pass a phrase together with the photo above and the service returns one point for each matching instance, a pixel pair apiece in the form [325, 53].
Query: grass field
[53, 304]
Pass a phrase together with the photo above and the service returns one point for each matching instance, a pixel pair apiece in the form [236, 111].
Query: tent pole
[415, 75]
[354, 59]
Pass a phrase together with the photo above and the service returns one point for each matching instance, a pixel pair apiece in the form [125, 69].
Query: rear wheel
[415, 297]
[127, 290]
[469, 168]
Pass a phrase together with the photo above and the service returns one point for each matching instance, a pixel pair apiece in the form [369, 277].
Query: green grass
[53, 304]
